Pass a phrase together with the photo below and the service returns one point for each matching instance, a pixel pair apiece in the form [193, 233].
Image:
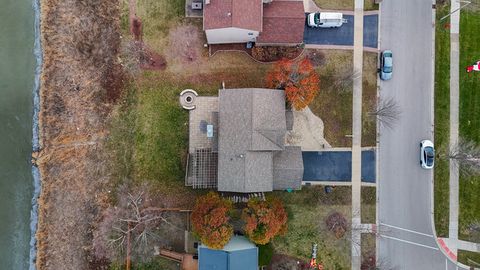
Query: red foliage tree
[264, 220]
[298, 79]
[210, 220]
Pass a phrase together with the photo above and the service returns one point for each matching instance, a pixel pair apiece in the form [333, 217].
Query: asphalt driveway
[343, 35]
[337, 166]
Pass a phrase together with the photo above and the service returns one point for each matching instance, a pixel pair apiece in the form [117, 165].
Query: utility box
[197, 5]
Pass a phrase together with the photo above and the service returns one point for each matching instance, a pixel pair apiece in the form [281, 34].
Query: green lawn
[161, 133]
[335, 4]
[442, 112]
[370, 5]
[469, 122]
[469, 116]
[369, 199]
[469, 258]
[148, 135]
[307, 210]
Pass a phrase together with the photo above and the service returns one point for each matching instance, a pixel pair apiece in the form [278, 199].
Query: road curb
[377, 161]
[447, 250]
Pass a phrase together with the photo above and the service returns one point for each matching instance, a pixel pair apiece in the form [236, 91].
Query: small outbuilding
[238, 254]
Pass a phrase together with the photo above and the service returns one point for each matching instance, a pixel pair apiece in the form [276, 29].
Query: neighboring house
[237, 142]
[267, 22]
[238, 254]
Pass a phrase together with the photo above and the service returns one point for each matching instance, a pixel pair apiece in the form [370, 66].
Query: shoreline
[79, 47]
[37, 51]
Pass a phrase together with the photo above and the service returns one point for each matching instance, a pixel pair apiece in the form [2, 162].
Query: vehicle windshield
[387, 65]
[316, 18]
[429, 155]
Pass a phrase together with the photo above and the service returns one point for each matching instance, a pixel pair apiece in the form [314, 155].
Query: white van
[325, 19]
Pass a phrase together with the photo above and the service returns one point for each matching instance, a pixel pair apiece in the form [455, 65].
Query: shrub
[299, 80]
[210, 220]
[265, 254]
[264, 220]
[337, 223]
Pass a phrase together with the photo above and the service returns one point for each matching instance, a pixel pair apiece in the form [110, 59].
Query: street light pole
[449, 14]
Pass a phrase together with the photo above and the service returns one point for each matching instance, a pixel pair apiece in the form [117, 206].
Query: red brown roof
[246, 14]
[283, 22]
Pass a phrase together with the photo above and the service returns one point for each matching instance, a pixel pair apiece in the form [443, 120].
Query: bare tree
[343, 81]
[466, 155]
[388, 112]
[132, 228]
[137, 227]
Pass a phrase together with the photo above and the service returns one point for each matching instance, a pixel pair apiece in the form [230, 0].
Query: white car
[325, 19]
[427, 154]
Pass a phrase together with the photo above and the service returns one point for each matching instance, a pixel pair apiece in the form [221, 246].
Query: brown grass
[369, 97]
[332, 105]
[80, 43]
[335, 4]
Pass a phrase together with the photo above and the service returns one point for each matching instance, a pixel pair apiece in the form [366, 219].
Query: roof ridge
[265, 134]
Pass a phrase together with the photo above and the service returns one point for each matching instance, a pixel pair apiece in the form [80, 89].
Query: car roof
[388, 61]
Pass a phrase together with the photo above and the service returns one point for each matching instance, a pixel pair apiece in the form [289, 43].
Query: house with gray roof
[237, 142]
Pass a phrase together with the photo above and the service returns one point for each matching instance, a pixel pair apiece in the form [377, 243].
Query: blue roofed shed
[238, 254]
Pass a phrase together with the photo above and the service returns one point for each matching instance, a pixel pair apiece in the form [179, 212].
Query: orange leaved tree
[299, 80]
[210, 220]
[264, 220]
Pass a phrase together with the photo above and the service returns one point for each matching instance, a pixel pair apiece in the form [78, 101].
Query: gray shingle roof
[252, 127]
[288, 168]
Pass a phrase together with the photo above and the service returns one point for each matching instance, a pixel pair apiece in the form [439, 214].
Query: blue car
[386, 65]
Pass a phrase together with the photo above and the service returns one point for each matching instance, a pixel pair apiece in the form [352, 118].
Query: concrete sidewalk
[454, 122]
[357, 134]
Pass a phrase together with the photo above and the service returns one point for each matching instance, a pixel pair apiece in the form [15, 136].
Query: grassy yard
[334, 105]
[157, 263]
[369, 96]
[148, 133]
[335, 4]
[369, 202]
[370, 5]
[469, 122]
[442, 111]
[307, 210]
[469, 116]
[368, 251]
[345, 4]
[469, 258]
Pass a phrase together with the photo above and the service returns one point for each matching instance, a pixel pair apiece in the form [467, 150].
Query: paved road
[336, 166]
[404, 189]
[344, 34]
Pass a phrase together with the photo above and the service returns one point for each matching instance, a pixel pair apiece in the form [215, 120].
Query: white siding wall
[230, 35]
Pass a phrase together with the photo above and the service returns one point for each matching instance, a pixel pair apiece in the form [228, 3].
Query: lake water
[17, 69]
